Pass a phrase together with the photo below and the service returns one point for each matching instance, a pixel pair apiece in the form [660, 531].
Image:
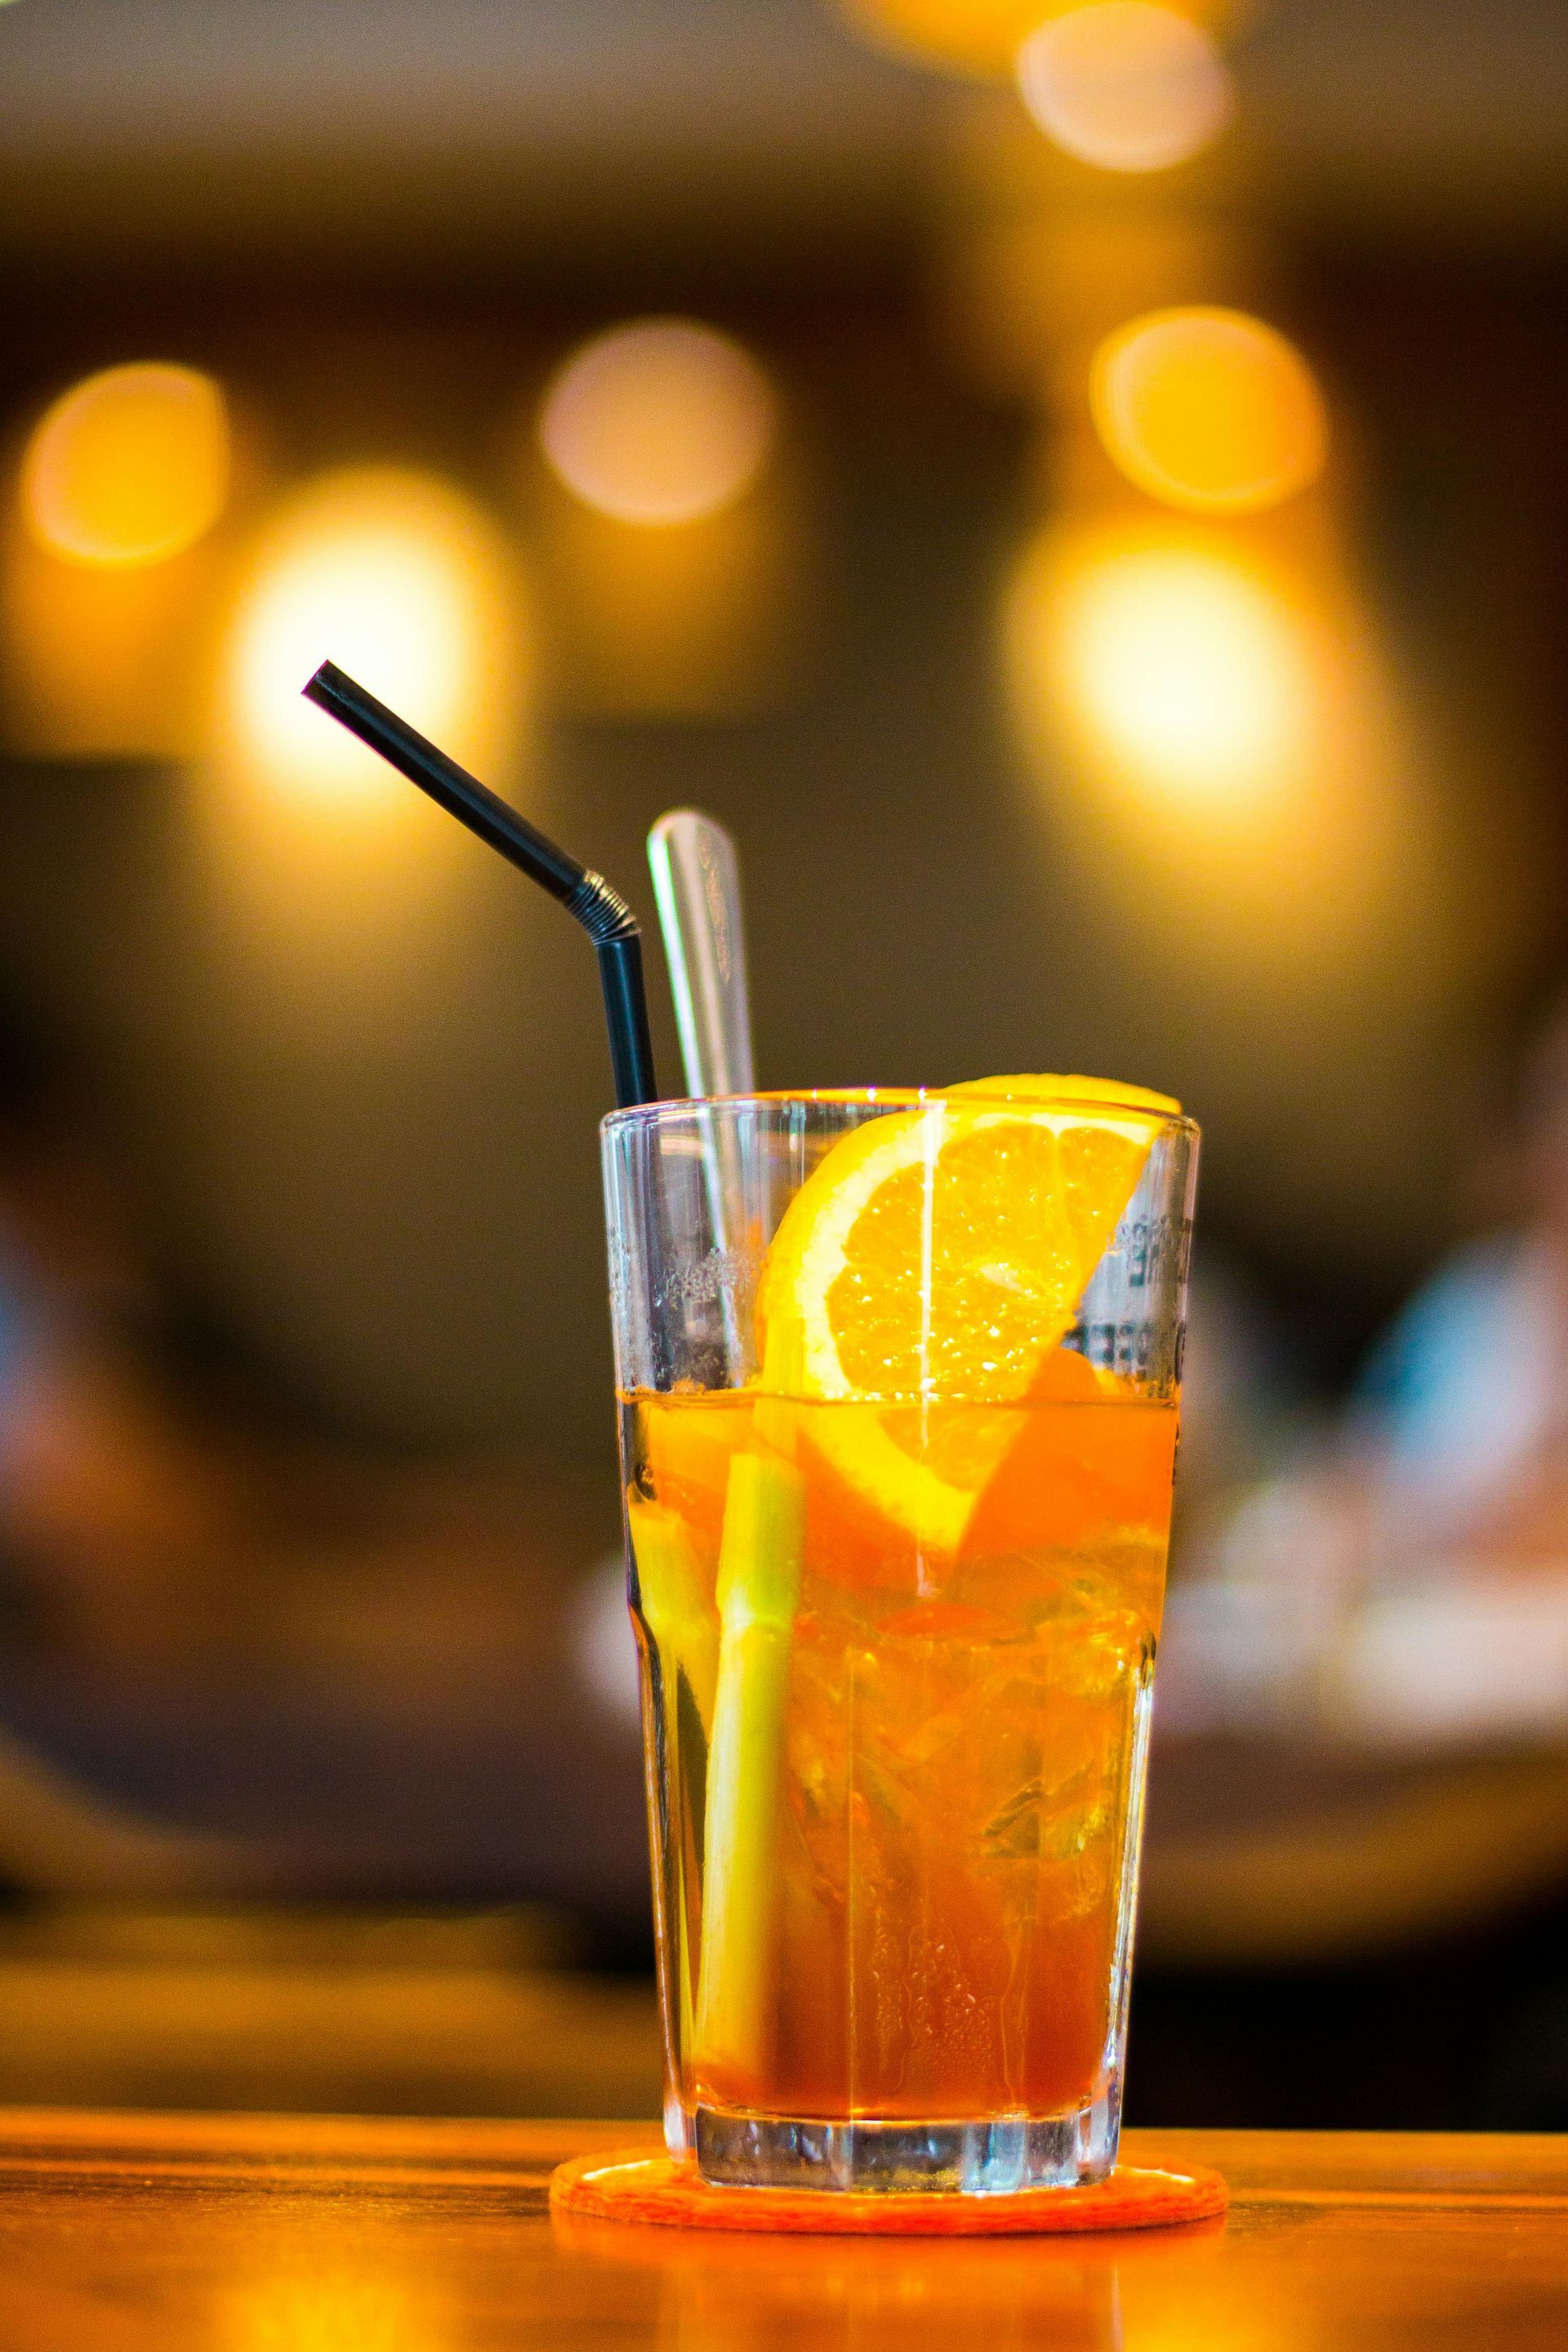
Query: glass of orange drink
[899, 1375]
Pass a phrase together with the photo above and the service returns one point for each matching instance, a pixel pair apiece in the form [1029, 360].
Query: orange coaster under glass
[648, 2188]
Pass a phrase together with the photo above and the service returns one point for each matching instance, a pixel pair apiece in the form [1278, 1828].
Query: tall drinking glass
[898, 1378]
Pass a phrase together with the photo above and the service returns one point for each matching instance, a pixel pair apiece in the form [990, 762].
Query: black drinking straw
[586, 896]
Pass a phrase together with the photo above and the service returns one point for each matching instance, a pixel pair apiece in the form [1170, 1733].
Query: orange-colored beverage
[912, 1878]
[899, 1379]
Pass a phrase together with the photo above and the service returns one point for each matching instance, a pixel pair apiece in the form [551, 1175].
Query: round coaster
[639, 2186]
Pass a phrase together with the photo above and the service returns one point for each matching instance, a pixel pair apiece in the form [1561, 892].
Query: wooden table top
[124, 2233]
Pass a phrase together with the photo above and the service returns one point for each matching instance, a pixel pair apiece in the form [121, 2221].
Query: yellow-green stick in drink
[675, 1602]
[677, 1610]
[758, 1592]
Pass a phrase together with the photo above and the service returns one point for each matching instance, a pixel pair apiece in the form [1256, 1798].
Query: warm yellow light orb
[969, 35]
[663, 420]
[128, 467]
[1209, 409]
[1183, 667]
[979, 37]
[1178, 673]
[399, 578]
[1126, 85]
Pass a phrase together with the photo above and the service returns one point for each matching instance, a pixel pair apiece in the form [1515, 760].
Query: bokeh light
[128, 467]
[1126, 85]
[1187, 673]
[975, 36]
[1176, 672]
[400, 579]
[662, 421]
[1209, 728]
[1209, 409]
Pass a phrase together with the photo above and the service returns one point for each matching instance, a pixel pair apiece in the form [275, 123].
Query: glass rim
[892, 1099]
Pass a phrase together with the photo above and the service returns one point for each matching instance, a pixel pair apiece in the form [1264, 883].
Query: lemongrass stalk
[758, 1591]
[677, 1605]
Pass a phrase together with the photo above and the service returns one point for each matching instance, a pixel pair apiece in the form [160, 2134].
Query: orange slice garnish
[940, 1255]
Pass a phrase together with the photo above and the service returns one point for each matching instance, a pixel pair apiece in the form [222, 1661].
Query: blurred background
[1081, 492]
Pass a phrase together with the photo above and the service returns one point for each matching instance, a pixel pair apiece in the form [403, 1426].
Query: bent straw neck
[587, 898]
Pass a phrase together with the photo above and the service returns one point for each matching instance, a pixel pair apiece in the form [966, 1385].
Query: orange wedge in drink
[941, 1255]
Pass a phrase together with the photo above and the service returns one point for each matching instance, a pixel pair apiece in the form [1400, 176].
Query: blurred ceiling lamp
[1215, 740]
[664, 421]
[1209, 409]
[1177, 673]
[116, 565]
[977, 37]
[1126, 85]
[128, 467]
[404, 581]
[345, 908]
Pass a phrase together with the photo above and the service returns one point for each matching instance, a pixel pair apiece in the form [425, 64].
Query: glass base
[973, 2159]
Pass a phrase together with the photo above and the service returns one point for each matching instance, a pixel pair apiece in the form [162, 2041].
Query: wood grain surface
[125, 2232]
